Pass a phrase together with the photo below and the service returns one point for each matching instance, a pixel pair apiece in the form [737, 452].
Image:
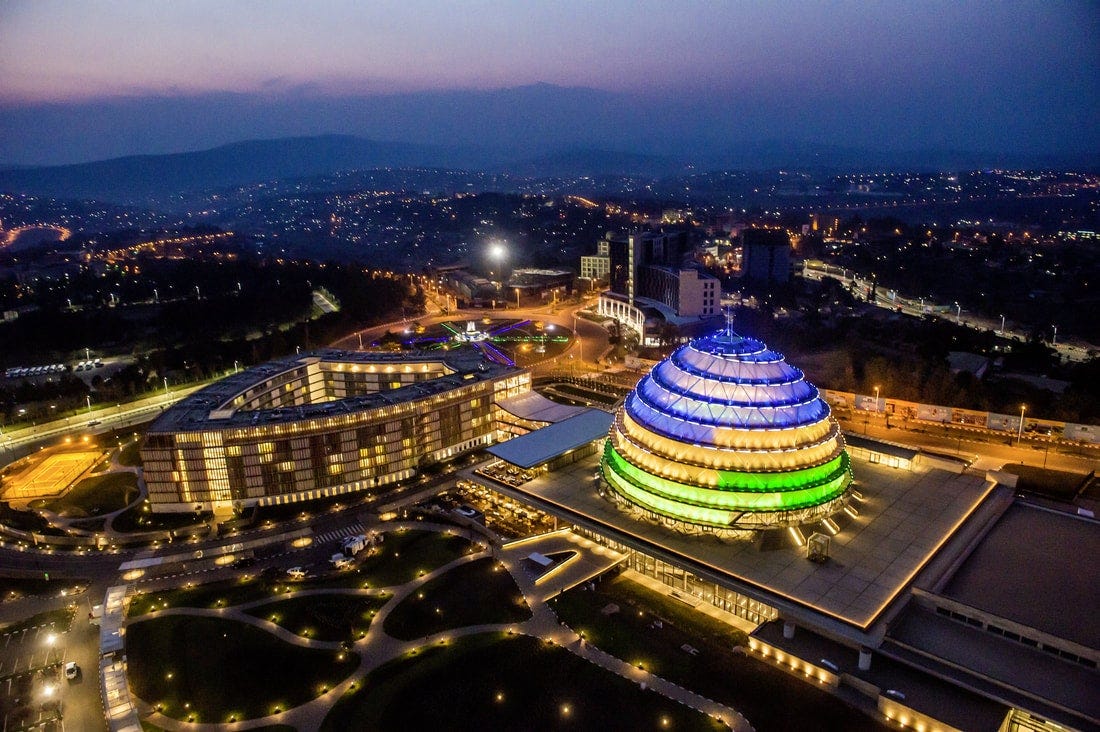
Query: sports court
[51, 475]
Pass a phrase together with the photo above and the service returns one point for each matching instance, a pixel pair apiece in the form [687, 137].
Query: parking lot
[32, 683]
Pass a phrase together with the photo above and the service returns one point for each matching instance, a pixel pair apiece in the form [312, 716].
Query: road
[591, 342]
[919, 307]
[992, 450]
[95, 421]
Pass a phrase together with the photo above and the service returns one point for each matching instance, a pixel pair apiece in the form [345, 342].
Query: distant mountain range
[144, 177]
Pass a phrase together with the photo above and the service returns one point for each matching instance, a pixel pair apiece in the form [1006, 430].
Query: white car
[71, 670]
[296, 573]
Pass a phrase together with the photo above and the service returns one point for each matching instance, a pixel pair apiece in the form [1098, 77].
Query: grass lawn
[493, 682]
[60, 619]
[130, 454]
[212, 596]
[214, 669]
[323, 617]
[94, 496]
[12, 588]
[769, 698]
[408, 553]
[137, 519]
[474, 593]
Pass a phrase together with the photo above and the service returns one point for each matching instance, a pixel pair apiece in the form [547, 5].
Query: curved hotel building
[725, 435]
[323, 424]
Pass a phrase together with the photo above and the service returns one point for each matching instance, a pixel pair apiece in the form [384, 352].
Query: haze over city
[80, 82]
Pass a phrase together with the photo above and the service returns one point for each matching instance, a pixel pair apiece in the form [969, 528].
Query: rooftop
[196, 412]
[905, 517]
[938, 698]
[1042, 678]
[1034, 567]
[534, 406]
[545, 444]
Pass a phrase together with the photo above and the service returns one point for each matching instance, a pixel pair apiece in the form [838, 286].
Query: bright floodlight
[497, 251]
[51, 639]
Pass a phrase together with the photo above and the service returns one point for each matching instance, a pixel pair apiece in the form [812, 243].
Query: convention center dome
[725, 434]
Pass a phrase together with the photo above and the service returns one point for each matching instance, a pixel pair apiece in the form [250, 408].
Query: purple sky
[1001, 73]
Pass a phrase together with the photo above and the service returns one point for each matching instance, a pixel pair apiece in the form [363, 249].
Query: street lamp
[497, 253]
[1054, 339]
[1020, 431]
[958, 313]
[877, 409]
[1002, 324]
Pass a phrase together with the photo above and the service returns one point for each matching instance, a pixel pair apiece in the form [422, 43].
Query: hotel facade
[323, 424]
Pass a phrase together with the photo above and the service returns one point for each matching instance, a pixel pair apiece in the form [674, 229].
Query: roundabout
[509, 341]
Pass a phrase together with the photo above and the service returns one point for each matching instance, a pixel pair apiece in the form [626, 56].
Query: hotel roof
[210, 407]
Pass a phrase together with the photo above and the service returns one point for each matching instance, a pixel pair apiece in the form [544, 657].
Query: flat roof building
[976, 608]
[322, 424]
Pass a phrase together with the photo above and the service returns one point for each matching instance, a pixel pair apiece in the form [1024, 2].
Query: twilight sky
[986, 76]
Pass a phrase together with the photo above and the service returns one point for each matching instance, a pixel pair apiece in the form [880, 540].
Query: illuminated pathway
[378, 648]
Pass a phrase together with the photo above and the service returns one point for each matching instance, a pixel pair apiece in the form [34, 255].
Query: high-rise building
[766, 255]
[648, 280]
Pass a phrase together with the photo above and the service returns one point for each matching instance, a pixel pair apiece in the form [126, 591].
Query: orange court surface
[50, 474]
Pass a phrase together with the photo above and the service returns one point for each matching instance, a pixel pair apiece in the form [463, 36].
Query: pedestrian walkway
[378, 648]
[335, 534]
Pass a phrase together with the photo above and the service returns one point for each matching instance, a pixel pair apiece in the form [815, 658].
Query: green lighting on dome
[689, 498]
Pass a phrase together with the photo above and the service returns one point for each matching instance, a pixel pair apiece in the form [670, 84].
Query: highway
[919, 307]
[94, 421]
[989, 450]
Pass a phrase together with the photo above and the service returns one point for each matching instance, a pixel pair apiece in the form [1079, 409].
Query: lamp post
[958, 313]
[1002, 325]
[580, 342]
[877, 409]
[497, 254]
[1054, 339]
[1020, 431]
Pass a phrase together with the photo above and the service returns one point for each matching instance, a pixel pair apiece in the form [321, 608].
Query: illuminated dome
[726, 434]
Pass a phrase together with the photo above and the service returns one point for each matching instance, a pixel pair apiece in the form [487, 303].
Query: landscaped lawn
[130, 454]
[214, 595]
[404, 555]
[94, 496]
[408, 553]
[494, 682]
[215, 669]
[60, 619]
[12, 588]
[137, 519]
[323, 617]
[769, 698]
[474, 593]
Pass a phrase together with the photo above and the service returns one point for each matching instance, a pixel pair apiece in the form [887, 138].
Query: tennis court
[51, 476]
